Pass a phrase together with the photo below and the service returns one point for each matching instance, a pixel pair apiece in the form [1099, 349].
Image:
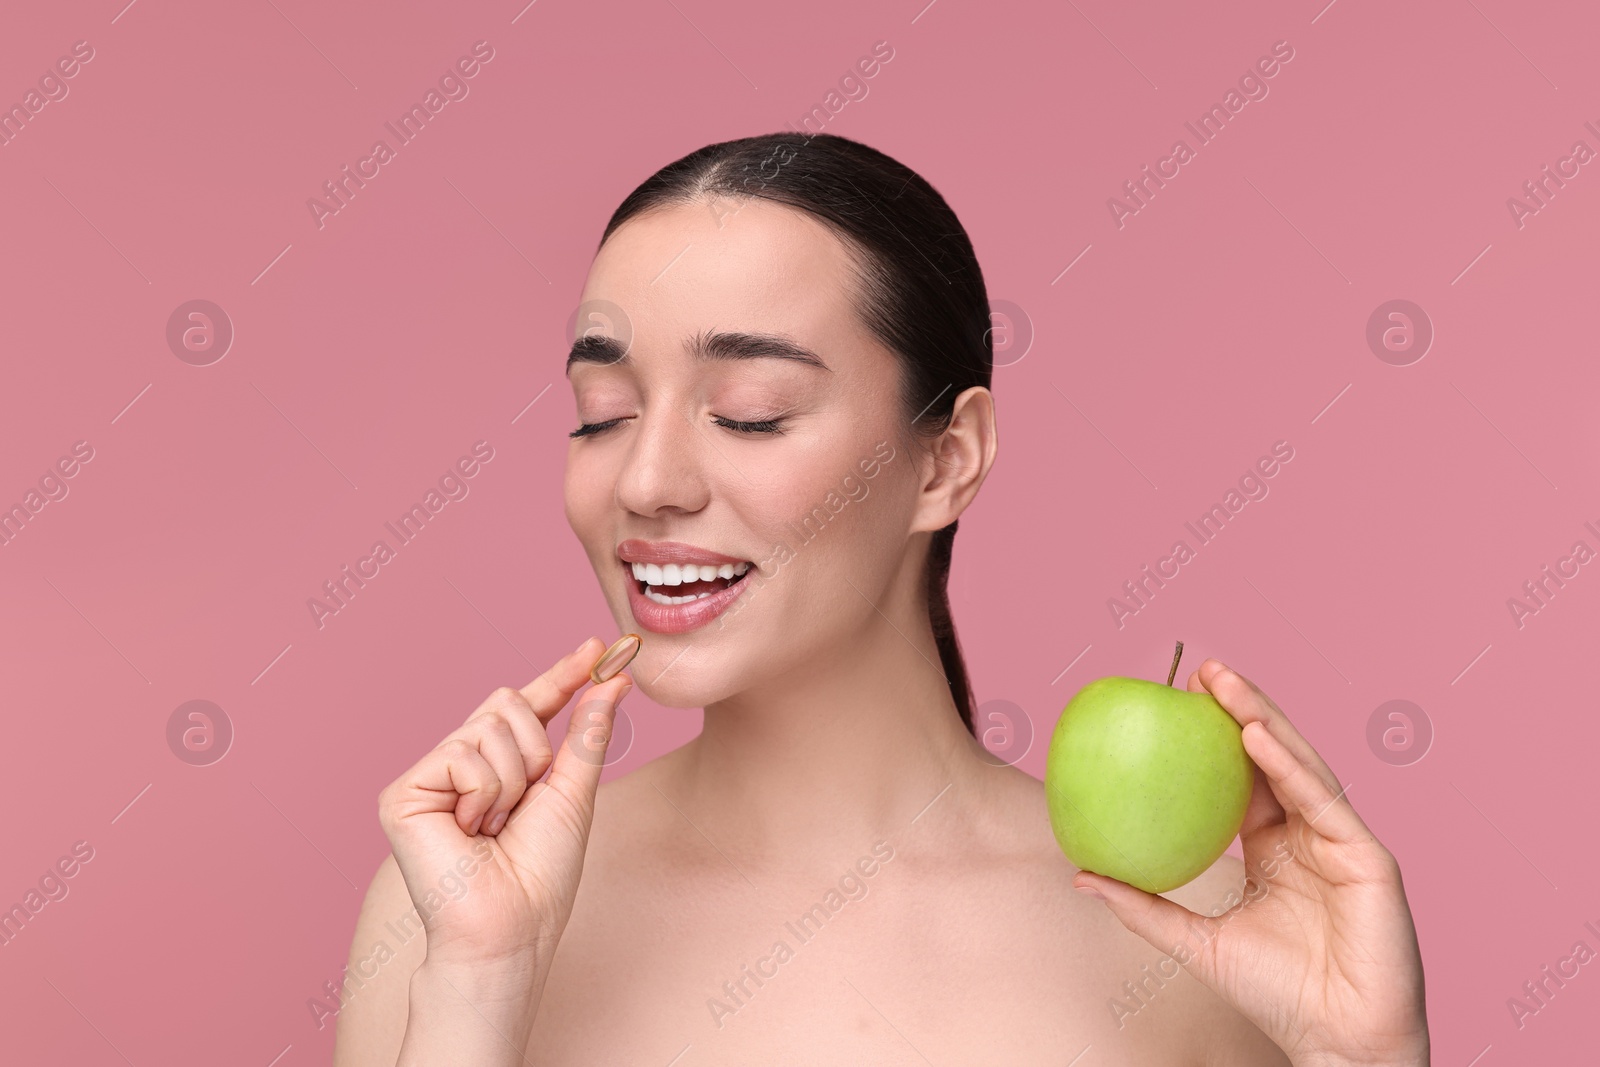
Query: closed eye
[772, 426]
[587, 428]
[762, 426]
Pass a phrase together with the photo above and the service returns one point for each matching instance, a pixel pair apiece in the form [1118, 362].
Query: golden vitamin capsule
[618, 656]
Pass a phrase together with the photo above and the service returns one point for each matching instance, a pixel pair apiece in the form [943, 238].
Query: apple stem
[1176, 656]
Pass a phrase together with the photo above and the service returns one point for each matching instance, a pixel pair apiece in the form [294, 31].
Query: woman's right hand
[474, 812]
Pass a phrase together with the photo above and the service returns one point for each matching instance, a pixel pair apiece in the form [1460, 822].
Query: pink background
[1226, 315]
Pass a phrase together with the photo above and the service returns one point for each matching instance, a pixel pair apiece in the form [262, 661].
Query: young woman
[782, 416]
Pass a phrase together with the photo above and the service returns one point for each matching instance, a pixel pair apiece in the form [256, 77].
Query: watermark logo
[601, 318]
[199, 732]
[1010, 332]
[199, 333]
[1399, 332]
[1006, 730]
[1399, 733]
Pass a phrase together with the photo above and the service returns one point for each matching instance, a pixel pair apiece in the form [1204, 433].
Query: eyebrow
[704, 346]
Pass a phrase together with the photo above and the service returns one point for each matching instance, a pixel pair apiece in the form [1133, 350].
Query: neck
[836, 754]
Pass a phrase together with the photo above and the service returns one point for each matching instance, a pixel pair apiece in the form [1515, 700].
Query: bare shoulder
[1147, 997]
[371, 1005]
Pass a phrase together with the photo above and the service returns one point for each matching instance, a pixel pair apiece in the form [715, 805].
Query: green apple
[1146, 783]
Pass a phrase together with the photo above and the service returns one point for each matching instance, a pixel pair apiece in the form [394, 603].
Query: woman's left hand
[1321, 955]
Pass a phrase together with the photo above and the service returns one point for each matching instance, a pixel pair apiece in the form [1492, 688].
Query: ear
[959, 461]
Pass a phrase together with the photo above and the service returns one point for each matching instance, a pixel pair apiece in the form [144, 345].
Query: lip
[634, 550]
[675, 618]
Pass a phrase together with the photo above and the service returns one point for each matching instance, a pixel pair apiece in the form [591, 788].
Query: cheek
[585, 495]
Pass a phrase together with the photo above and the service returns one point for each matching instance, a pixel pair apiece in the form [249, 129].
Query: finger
[1302, 789]
[549, 693]
[498, 745]
[1168, 926]
[452, 778]
[1245, 701]
[575, 772]
[1265, 807]
[533, 744]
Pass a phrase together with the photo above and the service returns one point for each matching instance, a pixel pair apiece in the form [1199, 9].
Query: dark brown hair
[922, 291]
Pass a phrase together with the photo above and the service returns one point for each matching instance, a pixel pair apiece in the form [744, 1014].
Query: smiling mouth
[674, 583]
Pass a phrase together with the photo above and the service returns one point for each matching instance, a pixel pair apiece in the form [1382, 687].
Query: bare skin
[641, 921]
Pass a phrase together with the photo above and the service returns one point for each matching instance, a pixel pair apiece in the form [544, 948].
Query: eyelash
[764, 426]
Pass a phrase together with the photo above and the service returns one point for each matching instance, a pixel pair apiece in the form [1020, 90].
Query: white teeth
[676, 574]
[651, 594]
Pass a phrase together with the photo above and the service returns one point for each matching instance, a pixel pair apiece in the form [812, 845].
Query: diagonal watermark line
[1469, 266]
[1069, 266]
[523, 12]
[274, 663]
[281, 1055]
[675, 259]
[1297, 630]
[1074, 663]
[1298, 230]
[308, 440]
[492, 626]
[1103, 436]
[897, 630]
[713, 44]
[894, 226]
[130, 404]
[923, 12]
[98, 230]
[1501, 832]
[668, 667]
[932, 402]
[528, 405]
[274, 263]
[1503, 437]
[96, 629]
[931, 803]
[1323, 12]
[1330, 403]
[313, 44]
[1113, 44]
[892, 1026]
[1513, 44]
[123, 12]
[130, 804]
[301, 832]
[499, 231]
[1468, 667]
[90, 1021]
[1330, 804]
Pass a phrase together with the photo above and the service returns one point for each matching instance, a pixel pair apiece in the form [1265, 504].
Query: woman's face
[731, 306]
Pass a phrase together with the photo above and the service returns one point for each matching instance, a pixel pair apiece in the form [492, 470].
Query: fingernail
[1089, 890]
[624, 692]
[477, 824]
[496, 823]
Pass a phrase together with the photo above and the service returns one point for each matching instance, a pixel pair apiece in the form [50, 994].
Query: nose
[665, 468]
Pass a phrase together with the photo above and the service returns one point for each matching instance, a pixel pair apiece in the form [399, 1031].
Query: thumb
[575, 771]
[1186, 936]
